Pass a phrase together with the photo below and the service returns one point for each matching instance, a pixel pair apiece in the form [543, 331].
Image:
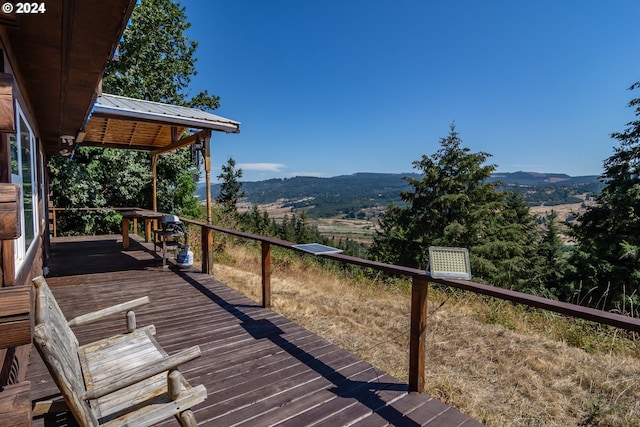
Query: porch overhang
[121, 122]
[136, 124]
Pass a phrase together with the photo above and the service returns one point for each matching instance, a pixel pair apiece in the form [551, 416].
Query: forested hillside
[326, 197]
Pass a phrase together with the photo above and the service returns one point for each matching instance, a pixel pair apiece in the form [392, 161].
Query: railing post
[207, 249]
[266, 274]
[419, 290]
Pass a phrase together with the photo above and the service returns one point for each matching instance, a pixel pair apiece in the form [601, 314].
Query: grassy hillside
[503, 364]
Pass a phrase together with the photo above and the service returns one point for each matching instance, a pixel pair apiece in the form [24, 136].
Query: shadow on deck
[259, 368]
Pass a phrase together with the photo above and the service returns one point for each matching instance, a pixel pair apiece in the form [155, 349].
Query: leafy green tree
[608, 234]
[230, 187]
[453, 204]
[155, 61]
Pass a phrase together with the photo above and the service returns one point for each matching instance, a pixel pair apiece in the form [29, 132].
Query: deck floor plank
[259, 368]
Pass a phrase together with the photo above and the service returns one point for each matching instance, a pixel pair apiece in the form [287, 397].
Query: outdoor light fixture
[67, 139]
[449, 263]
[198, 145]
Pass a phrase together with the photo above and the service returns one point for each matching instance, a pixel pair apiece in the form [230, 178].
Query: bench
[127, 379]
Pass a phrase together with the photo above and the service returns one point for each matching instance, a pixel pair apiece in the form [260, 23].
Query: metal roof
[122, 122]
[155, 111]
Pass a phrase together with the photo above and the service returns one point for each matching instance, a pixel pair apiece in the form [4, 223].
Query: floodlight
[449, 263]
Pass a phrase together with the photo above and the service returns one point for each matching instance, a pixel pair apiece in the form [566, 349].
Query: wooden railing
[420, 282]
[53, 215]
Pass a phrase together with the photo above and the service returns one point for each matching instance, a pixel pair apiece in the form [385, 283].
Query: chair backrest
[58, 347]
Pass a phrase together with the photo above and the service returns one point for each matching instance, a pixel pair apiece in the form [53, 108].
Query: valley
[349, 207]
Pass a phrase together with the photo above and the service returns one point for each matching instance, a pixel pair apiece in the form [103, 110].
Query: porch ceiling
[60, 57]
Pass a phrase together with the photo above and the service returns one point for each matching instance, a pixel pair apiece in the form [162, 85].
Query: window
[23, 172]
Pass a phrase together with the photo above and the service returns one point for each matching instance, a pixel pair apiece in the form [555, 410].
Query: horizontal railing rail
[53, 215]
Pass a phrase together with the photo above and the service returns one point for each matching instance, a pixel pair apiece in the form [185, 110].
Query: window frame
[22, 249]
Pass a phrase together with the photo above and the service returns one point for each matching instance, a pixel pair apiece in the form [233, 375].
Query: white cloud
[264, 167]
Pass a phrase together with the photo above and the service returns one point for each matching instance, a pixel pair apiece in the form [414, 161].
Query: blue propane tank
[184, 258]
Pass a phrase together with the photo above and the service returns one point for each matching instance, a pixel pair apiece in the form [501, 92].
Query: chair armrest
[85, 319]
[133, 376]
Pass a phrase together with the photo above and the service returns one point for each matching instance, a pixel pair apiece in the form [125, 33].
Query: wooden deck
[259, 368]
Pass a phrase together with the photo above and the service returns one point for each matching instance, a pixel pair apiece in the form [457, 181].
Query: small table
[146, 215]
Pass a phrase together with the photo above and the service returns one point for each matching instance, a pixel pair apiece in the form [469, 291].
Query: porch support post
[207, 170]
[154, 180]
[419, 290]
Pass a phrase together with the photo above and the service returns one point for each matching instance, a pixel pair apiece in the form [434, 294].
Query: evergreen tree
[553, 260]
[230, 187]
[507, 253]
[608, 234]
[452, 204]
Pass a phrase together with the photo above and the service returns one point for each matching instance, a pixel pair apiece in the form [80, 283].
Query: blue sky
[334, 87]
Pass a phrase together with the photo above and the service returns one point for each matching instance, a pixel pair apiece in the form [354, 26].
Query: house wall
[14, 360]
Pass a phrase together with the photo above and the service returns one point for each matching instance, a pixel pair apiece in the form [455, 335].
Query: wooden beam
[10, 211]
[16, 320]
[8, 263]
[90, 143]
[5, 157]
[182, 142]
[207, 171]
[154, 180]
[7, 114]
[65, 60]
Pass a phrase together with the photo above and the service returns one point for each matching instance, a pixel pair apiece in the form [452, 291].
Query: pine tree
[553, 262]
[453, 204]
[230, 187]
[608, 234]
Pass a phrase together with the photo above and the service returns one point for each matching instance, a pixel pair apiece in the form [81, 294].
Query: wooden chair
[126, 379]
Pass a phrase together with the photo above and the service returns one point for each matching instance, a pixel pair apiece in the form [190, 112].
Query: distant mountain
[543, 179]
[347, 194]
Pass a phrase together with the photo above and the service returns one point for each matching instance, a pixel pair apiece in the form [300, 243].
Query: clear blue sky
[333, 87]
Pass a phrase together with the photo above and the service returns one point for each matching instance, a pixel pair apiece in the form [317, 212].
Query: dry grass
[501, 375]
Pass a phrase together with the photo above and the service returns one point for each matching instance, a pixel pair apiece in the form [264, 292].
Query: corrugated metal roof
[115, 105]
[121, 122]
